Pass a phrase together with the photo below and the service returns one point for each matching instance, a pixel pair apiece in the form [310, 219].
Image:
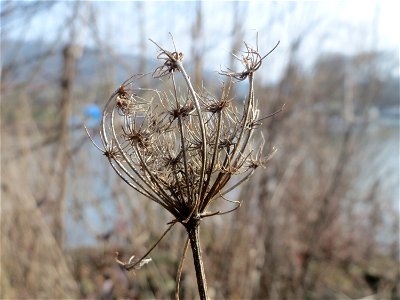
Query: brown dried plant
[179, 147]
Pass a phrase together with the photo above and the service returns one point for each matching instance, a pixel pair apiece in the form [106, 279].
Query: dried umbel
[180, 147]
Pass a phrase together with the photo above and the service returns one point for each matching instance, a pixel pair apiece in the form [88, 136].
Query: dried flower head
[180, 147]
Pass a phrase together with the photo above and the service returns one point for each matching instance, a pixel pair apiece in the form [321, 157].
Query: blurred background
[320, 222]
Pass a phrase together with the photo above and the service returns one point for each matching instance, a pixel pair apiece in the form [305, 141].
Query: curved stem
[202, 132]
[183, 145]
[179, 273]
[194, 237]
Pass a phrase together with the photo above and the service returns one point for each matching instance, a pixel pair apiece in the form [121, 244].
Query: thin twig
[180, 268]
[130, 265]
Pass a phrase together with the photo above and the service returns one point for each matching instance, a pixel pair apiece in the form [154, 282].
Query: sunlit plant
[180, 146]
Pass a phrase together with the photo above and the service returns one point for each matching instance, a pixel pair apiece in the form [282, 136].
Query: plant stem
[202, 130]
[193, 229]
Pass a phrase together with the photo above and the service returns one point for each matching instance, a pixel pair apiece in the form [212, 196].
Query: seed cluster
[179, 146]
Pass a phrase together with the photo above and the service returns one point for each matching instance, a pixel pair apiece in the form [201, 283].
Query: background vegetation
[321, 222]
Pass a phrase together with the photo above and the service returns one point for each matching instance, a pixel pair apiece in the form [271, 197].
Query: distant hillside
[19, 59]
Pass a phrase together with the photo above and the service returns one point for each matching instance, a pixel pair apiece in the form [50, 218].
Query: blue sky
[164, 16]
[338, 26]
